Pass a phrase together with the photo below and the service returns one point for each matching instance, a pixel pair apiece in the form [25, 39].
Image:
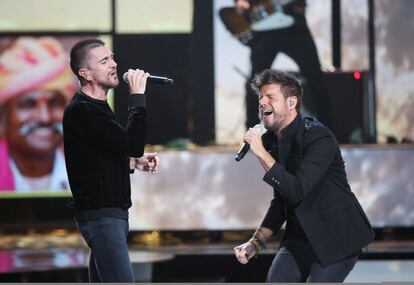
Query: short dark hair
[79, 52]
[289, 85]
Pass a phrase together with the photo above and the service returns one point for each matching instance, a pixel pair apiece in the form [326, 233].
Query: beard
[111, 83]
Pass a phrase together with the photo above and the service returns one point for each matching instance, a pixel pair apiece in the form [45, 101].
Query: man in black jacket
[97, 154]
[326, 226]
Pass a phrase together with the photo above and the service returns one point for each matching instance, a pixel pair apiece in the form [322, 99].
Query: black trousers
[300, 47]
[284, 268]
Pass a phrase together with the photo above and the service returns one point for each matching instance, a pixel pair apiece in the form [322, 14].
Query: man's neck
[33, 166]
[95, 92]
[285, 124]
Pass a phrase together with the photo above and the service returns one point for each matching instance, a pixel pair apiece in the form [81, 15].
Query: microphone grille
[260, 129]
[125, 77]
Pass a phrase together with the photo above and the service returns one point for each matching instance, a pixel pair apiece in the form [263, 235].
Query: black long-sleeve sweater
[97, 150]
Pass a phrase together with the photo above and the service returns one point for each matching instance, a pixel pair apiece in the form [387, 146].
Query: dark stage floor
[61, 256]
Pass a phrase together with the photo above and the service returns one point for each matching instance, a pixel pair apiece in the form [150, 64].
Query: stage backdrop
[210, 190]
[232, 67]
[394, 63]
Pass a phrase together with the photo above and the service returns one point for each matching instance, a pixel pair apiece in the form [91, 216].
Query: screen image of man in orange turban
[35, 86]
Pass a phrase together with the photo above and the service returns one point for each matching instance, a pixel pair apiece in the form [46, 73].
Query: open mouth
[267, 113]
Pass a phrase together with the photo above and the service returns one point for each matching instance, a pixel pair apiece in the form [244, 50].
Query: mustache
[30, 127]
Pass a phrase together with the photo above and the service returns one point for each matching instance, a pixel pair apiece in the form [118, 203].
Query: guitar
[265, 15]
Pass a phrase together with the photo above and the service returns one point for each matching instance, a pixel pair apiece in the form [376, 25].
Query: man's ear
[84, 73]
[292, 101]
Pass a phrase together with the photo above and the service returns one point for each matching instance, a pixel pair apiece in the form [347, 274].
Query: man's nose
[43, 113]
[113, 63]
[262, 101]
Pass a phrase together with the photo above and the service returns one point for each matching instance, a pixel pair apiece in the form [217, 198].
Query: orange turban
[34, 63]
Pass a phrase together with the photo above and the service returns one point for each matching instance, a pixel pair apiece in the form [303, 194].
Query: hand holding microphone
[137, 80]
[152, 79]
[252, 136]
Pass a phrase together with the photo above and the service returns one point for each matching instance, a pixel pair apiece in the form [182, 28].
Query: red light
[357, 75]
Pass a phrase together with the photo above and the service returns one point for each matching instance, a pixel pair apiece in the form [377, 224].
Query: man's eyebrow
[106, 57]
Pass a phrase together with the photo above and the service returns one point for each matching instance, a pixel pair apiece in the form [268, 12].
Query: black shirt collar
[290, 130]
[87, 97]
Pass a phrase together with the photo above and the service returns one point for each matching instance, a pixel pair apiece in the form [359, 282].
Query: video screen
[233, 58]
[210, 190]
[36, 83]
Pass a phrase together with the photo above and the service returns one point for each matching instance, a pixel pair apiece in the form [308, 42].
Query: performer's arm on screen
[244, 4]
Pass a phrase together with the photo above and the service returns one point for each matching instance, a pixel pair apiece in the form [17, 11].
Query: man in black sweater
[326, 226]
[97, 154]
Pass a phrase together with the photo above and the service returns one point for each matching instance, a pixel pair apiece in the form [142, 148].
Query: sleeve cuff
[272, 177]
[137, 100]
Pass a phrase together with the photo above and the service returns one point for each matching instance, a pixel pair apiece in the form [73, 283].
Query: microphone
[245, 148]
[153, 79]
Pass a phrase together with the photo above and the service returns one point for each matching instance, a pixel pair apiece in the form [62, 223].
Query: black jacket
[313, 181]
